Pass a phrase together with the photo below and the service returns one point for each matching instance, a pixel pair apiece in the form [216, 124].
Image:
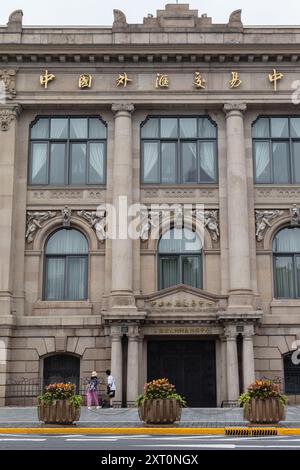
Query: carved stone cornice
[8, 78]
[122, 106]
[8, 115]
[234, 107]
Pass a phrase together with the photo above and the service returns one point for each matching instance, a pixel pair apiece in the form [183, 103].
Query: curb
[142, 431]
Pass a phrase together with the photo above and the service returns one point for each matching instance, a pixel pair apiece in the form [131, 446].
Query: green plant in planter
[262, 389]
[160, 389]
[60, 391]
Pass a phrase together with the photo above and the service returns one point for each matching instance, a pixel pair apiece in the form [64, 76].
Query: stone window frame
[287, 254]
[271, 140]
[179, 142]
[165, 227]
[44, 267]
[68, 142]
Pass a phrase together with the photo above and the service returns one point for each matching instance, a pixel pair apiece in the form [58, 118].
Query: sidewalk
[19, 417]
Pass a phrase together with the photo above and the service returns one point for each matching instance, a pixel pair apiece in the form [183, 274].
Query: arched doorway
[62, 368]
[291, 374]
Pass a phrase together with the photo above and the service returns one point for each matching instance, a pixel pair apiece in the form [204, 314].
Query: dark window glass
[280, 162]
[40, 130]
[66, 257]
[179, 150]
[57, 163]
[151, 162]
[276, 150]
[39, 163]
[68, 151]
[96, 163]
[286, 249]
[296, 155]
[189, 162]
[78, 163]
[59, 128]
[291, 375]
[180, 258]
[168, 163]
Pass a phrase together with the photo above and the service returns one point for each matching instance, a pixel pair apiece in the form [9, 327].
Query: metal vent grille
[251, 432]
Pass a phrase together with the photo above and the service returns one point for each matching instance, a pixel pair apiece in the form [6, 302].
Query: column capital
[248, 332]
[230, 332]
[122, 106]
[234, 108]
[133, 333]
[7, 115]
[116, 332]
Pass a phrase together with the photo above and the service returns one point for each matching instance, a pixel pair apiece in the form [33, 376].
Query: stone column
[117, 360]
[238, 226]
[8, 129]
[122, 245]
[232, 371]
[248, 356]
[133, 365]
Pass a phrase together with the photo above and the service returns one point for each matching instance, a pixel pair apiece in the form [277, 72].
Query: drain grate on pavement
[250, 432]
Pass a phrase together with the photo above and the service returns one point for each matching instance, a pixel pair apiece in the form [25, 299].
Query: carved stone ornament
[119, 19]
[210, 220]
[7, 116]
[122, 106]
[235, 19]
[263, 221]
[66, 216]
[8, 78]
[35, 221]
[295, 215]
[96, 220]
[15, 20]
[146, 224]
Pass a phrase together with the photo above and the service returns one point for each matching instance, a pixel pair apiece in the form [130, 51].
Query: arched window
[67, 151]
[286, 249]
[276, 150]
[291, 373]
[179, 150]
[66, 262]
[180, 260]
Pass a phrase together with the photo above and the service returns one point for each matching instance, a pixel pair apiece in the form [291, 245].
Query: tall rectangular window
[179, 150]
[276, 146]
[67, 151]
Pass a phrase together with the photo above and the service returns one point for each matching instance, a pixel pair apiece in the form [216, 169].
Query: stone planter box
[59, 412]
[160, 411]
[267, 411]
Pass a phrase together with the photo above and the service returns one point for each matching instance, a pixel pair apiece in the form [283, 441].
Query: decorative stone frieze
[7, 116]
[96, 220]
[8, 78]
[35, 221]
[295, 214]
[263, 219]
[210, 219]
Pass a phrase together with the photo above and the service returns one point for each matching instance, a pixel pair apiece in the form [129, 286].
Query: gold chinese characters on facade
[85, 80]
[162, 81]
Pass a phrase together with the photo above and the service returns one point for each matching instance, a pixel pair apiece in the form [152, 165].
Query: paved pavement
[128, 417]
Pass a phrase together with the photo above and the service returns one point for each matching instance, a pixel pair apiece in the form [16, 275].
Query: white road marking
[21, 440]
[193, 446]
[92, 439]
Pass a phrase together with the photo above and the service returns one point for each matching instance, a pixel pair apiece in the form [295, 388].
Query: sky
[100, 12]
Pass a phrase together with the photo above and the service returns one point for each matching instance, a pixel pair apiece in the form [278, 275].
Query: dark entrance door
[189, 365]
[62, 368]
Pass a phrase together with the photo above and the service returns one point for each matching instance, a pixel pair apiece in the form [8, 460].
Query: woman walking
[92, 393]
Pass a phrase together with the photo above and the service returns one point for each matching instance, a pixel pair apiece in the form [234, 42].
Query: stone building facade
[175, 111]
